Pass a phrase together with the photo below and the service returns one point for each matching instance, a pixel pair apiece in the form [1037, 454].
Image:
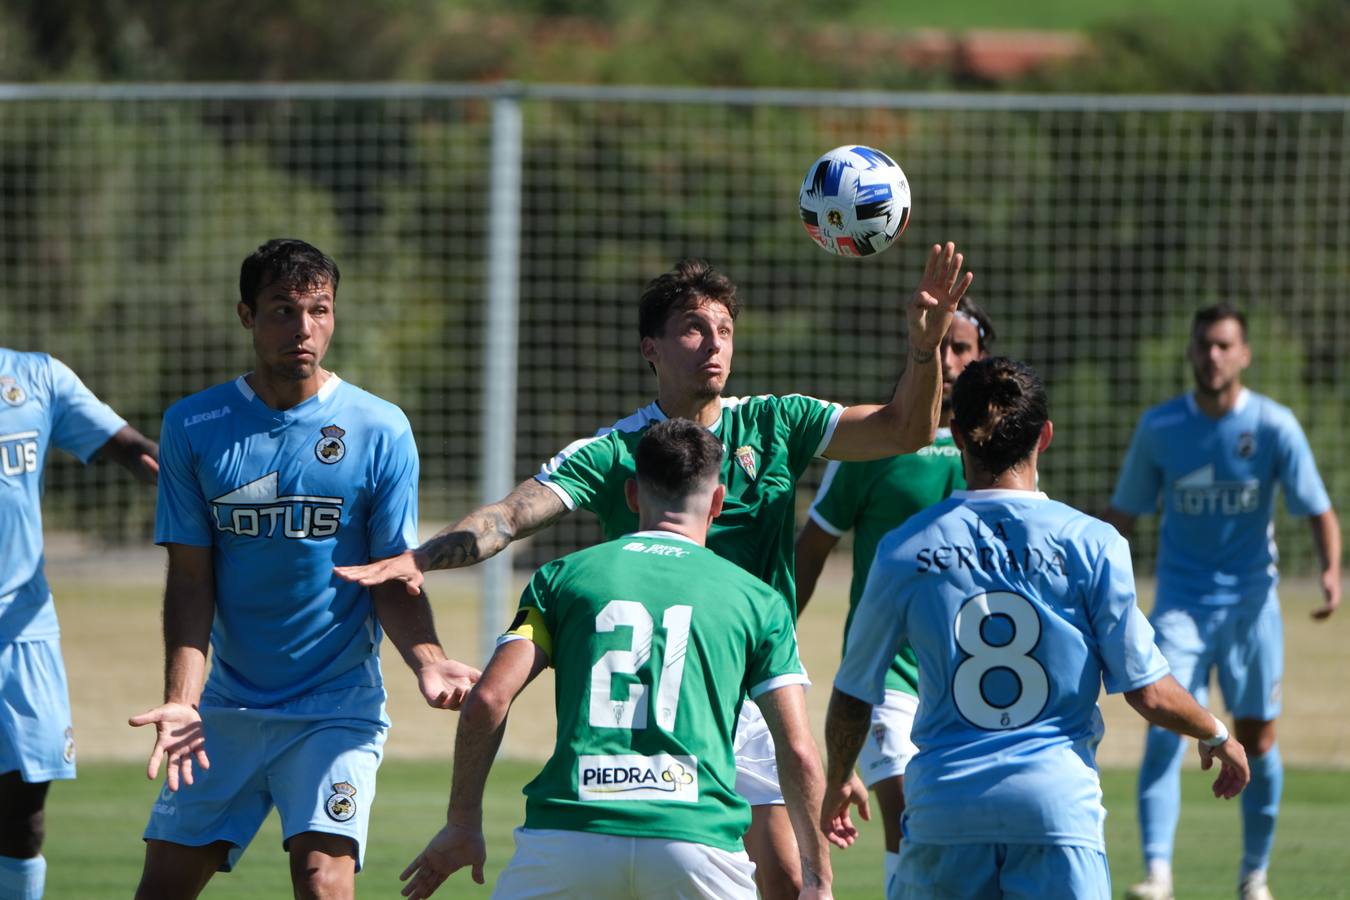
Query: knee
[321, 882]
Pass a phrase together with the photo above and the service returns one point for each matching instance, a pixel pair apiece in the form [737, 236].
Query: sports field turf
[110, 621]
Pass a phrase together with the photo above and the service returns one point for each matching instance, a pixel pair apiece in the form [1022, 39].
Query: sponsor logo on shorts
[633, 777]
[341, 804]
[68, 753]
[330, 449]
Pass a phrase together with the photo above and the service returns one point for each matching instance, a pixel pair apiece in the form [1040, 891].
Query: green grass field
[1069, 14]
[95, 824]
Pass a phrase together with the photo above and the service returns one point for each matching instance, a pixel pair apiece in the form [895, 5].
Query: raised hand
[453, 848]
[404, 567]
[446, 683]
[179, 737]
[933, 304]
[835, 822]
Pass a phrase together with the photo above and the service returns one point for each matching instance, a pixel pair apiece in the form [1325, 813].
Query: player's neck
[1220, 403]
[1018, 478]
[703, 410]
[684, 524]
[284, 393]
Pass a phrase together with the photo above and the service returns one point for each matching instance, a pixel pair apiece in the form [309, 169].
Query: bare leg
[177, 871]
[772, 847]
[323, 866]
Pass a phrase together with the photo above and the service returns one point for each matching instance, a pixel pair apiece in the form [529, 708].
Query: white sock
[1160, 870]
[892, 863]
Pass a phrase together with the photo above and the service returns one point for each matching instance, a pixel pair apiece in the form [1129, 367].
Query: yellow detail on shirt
[529, 624]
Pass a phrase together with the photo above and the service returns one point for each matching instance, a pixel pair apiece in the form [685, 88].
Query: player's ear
[630, 494]
[718, 497]
[245, 314]
[648, 347]
[1047, 435]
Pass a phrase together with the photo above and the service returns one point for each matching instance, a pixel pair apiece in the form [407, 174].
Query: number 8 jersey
[1019, 608]
[656, 643]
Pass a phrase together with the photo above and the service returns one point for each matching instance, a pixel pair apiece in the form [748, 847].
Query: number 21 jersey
[1018, 608]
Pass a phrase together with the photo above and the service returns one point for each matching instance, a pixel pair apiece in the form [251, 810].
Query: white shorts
[756, 764]
[888, 749]
[570, 864]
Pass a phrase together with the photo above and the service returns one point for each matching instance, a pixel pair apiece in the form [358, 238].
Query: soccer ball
[854, 201]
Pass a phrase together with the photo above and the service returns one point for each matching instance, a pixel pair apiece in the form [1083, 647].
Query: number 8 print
[969, 683]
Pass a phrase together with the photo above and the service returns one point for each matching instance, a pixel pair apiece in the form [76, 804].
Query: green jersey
[767, 442]
[876, 497]
[656, 643]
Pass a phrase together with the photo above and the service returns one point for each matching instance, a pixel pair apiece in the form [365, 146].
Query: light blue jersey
[1216, 481]
[282, 497]
[1018, 608]
[43, 404]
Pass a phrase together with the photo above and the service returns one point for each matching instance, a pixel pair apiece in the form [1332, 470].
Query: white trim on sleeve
[829, 429]
[774, 684]
[565, 497]
[824, 525]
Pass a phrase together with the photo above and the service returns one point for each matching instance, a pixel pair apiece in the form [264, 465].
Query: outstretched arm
[444, 682]
[482, 722]
[134, 452]
[189, 609]
[813, 546]
[846, 724]
[483, 533]
[803, 781]
[909, 421]
[1326, 530]
[1167, 704]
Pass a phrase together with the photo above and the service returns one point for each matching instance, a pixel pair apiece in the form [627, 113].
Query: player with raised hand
[268, 481]
[871, 499]
[1211, 460]
[1019, 609]
[686, 325]
[43, 404]
[656, 642]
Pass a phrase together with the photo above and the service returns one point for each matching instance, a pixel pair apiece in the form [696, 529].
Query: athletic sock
[1160, 793]
[892, 863]
[1160, 870]
[22, 879]
[1260, 808]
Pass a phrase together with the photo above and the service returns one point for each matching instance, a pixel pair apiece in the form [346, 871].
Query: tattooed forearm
[846, 724]
[488, 530]
[921, 356]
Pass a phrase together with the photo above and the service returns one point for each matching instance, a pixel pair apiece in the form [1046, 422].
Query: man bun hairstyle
[294, 264]
[676, 457]
[999, 406]
[690, 283]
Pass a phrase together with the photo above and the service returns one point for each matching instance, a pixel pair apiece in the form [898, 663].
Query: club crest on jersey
[341, 804]
[68, 753]
[745, 458]
[330, 448]
[11, 391]
[1246, 445]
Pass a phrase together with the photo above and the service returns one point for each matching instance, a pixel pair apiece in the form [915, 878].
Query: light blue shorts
[999, 872]
[36, 735]
[1244, 642]
[313, 758]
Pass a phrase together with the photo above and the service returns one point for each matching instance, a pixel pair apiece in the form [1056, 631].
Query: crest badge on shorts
[11, 391]
[879, 733]
[341, 804]
[330, 449]
[745, 458]
[68, 753]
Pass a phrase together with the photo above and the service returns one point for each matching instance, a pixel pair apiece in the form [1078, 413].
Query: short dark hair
[984, 325]
[1217, 313]
[689, 283]
[675, 457]
[294, 263]
[999, 406]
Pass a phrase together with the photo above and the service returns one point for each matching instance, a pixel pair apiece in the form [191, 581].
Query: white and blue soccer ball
[854, 201]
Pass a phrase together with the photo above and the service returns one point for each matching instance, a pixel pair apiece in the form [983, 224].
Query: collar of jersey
[255, 402]
[659, 414]
[942, 435]
[1000, 494]
[1244, 397]
[668, 535]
